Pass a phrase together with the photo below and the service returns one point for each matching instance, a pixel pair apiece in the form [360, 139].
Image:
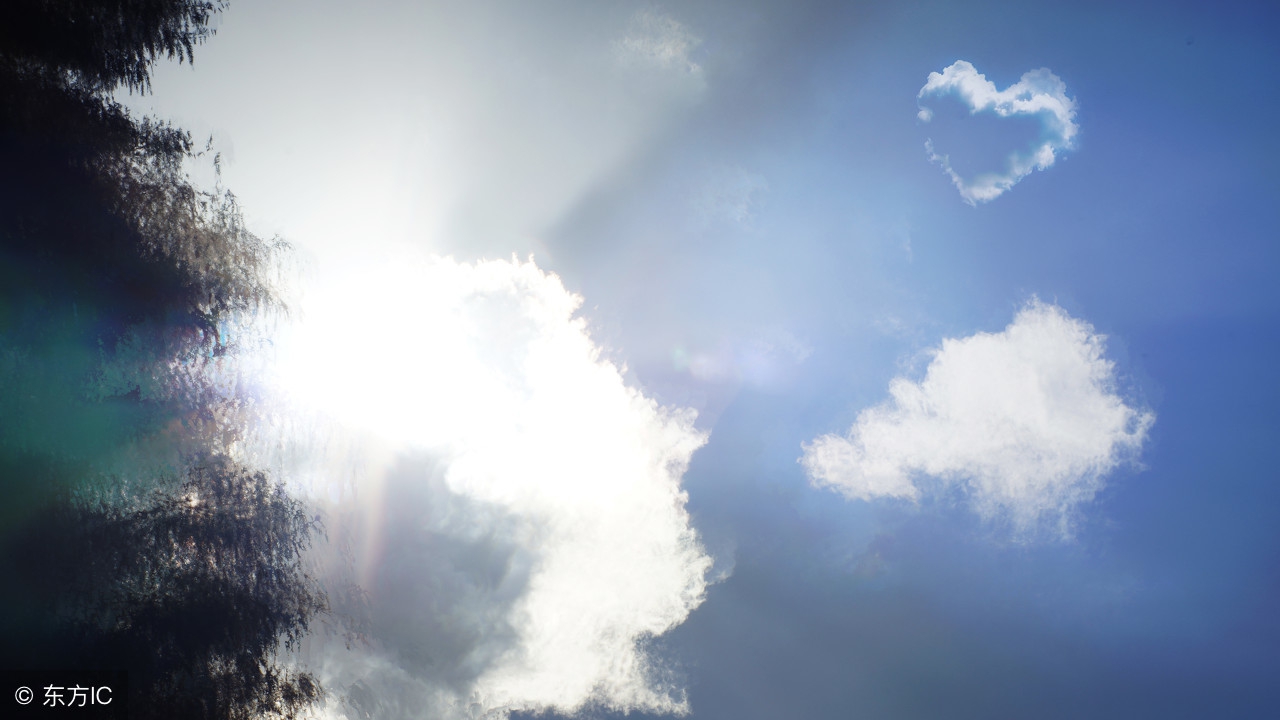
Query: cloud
[525, 534]
[1039, 94]
[1025, 422]
[657, 40]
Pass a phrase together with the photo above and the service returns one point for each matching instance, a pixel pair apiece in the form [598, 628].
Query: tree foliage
[103, 44]
[192, 592]
[96, 207]
[120, 283]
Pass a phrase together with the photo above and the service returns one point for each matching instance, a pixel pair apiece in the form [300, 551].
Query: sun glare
[486, 368]
[484, 363]
[381, 347]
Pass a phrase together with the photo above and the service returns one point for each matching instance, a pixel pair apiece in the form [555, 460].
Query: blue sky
[741, 196]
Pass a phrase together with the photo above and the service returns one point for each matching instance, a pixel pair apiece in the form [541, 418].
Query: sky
[758, 360]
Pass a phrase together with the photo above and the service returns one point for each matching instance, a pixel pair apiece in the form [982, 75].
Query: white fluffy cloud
[1025, 421]
[1039, 94]
[540, 537]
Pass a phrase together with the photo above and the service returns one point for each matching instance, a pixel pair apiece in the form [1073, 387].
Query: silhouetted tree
[103, 44]
[117, 275]
[96, 207]
[119, 283]
[193, 593]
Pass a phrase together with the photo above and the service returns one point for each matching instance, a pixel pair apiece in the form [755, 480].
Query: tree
[103, 44]
[119, 284]
[117, 276]
[192, 593]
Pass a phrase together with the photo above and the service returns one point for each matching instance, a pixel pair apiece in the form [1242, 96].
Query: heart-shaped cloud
[1040, 95]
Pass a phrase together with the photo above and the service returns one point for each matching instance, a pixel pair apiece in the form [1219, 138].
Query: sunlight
[482, 362]
[380, 348]
[485, 368]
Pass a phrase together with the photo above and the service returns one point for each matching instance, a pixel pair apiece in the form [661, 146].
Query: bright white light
[486, 366]
[387, 347]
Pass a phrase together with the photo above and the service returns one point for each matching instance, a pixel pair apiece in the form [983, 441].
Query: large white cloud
[527, 533]
[1039, 94]
[1026, 422]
